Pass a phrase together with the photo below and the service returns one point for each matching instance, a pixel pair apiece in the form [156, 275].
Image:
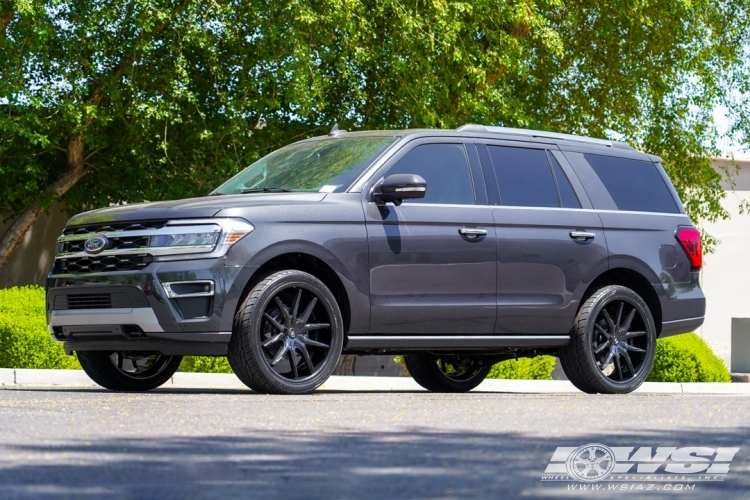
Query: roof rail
[540, 133]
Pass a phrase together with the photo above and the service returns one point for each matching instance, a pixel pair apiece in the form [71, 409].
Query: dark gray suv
[455, 248]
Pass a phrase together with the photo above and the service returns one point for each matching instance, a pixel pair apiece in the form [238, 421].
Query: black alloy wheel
[128, 370]
[613, 343]
[447, 372]
[288, 335]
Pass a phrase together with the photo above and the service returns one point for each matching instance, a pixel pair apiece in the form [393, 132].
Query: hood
[191, 208]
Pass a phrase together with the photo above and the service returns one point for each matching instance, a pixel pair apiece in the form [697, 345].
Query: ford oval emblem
[95, 244]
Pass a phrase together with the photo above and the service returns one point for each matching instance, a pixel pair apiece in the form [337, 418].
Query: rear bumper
[679, 326]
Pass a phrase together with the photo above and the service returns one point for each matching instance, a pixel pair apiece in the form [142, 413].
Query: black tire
[595, 360]
[276, 350]
[128, 371]
[446, 373]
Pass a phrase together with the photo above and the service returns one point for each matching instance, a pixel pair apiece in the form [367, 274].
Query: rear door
[550, 243]
[432, 260]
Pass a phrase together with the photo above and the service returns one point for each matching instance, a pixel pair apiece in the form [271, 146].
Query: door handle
[582, 235]
[472, 232]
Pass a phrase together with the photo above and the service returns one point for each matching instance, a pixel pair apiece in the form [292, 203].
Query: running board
[434, 342]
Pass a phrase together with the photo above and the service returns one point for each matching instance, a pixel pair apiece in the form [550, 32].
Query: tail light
[690, 239]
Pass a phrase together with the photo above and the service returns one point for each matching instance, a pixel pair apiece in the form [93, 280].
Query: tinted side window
[524, 177]
[568, 197]
[634, 185]
[445, 169]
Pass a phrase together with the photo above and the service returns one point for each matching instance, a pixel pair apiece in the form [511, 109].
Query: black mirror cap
[398, 187]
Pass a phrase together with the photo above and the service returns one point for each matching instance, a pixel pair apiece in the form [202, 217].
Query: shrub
[687, 358]
[24, 339]
[537, 368]
[205, 364]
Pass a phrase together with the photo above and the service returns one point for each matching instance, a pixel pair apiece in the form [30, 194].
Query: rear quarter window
[633, 185]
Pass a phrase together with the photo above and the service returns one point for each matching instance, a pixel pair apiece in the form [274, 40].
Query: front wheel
[446, 372]
[287, 336]
[128, 371]
[613, 343]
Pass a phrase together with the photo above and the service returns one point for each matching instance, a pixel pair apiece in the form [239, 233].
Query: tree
[108, 102]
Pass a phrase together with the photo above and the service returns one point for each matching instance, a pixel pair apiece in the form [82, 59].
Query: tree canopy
[107, 102]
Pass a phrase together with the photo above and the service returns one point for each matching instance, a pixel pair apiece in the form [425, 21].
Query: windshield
[326, 166]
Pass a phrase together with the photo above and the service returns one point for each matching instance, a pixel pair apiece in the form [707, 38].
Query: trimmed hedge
[24, 339]
[537, 368]
[205, 364]
[687, 358]
[25, 343]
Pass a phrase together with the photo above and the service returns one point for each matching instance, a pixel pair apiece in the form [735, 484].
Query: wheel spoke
[315, 326]
[628, 362]
[619, 367]
[306, 357]
[628, 320]
[275, 323]
[633, 348]
[280, 354]
[630, 335]
[274, 339]
[608, 360]
[295, 309]
[292, 362]
[608, 319]
[284, 311]
[602, 331]
[619, 315]
[307, 340]
[601, 347]
[308, 310]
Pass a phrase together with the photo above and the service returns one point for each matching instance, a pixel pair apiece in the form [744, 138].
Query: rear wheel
[128, 371]
[613, 343]
[287, 336]
[446, 372]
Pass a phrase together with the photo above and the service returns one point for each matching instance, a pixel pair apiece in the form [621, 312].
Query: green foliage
[170, 98]
[24, 339]
[687, 358]
[537, 368]
[205, 364]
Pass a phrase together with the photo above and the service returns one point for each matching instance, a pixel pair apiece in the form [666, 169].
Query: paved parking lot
[88, 443]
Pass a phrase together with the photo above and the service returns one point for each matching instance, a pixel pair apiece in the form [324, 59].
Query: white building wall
[726, 272]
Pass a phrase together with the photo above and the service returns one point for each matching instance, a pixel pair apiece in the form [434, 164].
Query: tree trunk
[73, 173]
[345, 365]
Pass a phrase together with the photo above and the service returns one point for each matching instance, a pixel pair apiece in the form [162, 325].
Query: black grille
[90, 301]
[103, 263]
[122, 243]
[114, 226]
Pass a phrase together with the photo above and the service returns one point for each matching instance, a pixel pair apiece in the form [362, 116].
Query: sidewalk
[21, 378]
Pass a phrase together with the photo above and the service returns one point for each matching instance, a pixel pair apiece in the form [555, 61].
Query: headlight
[201, 238]
[184, 240]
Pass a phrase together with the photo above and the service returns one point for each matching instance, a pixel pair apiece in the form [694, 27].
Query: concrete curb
[20, 378]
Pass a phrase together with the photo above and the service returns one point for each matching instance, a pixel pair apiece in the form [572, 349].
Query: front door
[432, 260]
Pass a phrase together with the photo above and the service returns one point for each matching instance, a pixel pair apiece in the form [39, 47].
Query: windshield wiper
[266, 190]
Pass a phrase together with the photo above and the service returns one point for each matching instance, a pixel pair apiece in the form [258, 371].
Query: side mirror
[399, 187]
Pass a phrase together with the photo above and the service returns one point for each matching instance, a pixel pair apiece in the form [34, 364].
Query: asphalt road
[185, 444]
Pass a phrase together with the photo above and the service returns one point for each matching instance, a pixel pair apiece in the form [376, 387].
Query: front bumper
[134, 310]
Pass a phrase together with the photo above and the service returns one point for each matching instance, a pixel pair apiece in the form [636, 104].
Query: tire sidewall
[251, 334]
[624, 294]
